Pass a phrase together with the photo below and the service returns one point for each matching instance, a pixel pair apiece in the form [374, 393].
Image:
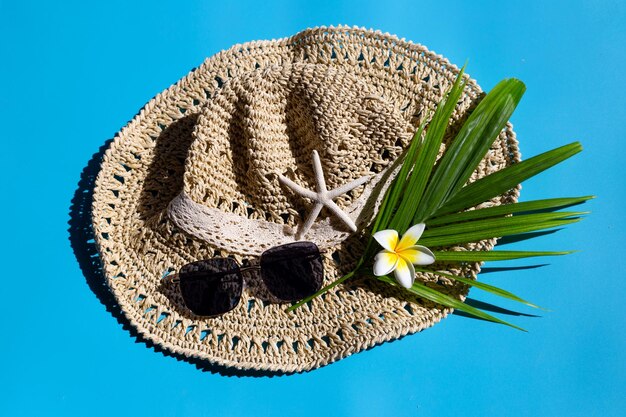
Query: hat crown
[267, 122]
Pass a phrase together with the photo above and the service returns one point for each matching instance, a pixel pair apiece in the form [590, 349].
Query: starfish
[323, 197]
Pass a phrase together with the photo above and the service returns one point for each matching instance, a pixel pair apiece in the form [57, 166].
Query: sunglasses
[212, 287]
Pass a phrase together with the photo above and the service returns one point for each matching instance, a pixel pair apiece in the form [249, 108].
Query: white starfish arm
[341, 214]
[298, 189]
[309, 220]
[322, 197]
[332, 194]
[319, 173]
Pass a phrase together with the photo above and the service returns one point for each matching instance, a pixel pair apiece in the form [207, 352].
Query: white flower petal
[405, 273]
[417, 255]
[411, 237]
[385, 262]
[388, 239]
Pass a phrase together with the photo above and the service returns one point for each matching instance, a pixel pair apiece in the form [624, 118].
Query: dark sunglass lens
[211, 287]
[293, 271]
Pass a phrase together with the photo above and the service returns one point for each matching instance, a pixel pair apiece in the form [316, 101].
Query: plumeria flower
[399, 255]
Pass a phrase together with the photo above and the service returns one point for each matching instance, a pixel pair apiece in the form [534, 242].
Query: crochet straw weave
[220, 134]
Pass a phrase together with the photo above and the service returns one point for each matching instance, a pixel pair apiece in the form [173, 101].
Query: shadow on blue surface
[489, 307]
[490, 270]
[508, 240]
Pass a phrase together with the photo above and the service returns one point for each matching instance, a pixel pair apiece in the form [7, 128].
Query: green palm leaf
[502, 181]
[470, 146]
[494, 255]
[477, 230]
[397, 188]
[435, 192]
[481, 285]
[500, 222]
[447, 301]
[505, 209]
[422, 166]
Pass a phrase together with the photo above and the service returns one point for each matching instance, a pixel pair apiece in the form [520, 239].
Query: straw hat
[196, 174]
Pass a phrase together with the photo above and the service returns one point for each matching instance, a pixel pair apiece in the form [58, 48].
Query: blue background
[73, 74]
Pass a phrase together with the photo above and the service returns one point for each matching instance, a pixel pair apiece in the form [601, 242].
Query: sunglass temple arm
[249, 268]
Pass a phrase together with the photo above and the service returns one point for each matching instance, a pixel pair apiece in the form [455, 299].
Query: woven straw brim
[143, 171]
